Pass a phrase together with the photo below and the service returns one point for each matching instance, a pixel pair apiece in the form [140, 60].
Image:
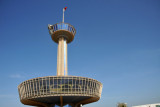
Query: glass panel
[74, 85]
[70, 84]
[55, 83]
[38, 86]
[55, 27]
[43, 87]
[35, 86]
[71, 29]
[26, 85]
[63, 26]
[66, 26]
[47, 85]
[59, 26]
[86, 86]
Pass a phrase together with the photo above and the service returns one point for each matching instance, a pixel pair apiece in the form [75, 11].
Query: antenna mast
[64, 9]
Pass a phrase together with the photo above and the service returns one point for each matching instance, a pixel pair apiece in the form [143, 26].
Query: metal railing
[53, 86]
[62, 26]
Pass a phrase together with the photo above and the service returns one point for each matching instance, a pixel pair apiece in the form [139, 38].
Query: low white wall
[148, 105]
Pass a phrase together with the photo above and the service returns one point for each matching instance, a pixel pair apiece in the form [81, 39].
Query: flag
[64, 9]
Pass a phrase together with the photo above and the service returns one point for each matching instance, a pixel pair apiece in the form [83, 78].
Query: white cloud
[16, 76]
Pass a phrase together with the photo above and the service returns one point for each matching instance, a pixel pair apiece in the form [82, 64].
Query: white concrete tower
[62, 33]
[60, 90]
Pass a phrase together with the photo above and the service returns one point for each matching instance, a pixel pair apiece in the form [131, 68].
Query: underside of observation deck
[74, 101]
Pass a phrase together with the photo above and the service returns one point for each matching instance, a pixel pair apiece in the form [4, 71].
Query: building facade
[149, 105]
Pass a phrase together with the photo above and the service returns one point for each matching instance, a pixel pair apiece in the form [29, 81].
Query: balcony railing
[62, 26]
[60, 85]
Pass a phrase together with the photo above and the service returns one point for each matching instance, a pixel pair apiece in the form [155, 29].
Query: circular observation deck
[62, 30]
[49, 90]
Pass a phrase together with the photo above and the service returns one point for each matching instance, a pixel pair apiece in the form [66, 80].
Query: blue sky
[117, 42]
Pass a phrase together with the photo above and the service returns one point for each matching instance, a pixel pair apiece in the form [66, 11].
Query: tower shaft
[62, 57]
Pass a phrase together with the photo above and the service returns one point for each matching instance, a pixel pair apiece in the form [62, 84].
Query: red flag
[65, 8]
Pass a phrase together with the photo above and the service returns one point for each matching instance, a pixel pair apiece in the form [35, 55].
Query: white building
[149, 105]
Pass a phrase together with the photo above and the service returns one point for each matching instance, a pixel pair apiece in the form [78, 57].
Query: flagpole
[63, 16]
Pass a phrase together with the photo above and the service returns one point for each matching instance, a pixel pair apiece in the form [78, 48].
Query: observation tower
[62, 89]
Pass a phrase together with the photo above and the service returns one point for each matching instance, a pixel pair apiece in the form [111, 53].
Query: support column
[58, 51]
[65, 57]
[62, 57]
[61, 101]
[59, 58]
